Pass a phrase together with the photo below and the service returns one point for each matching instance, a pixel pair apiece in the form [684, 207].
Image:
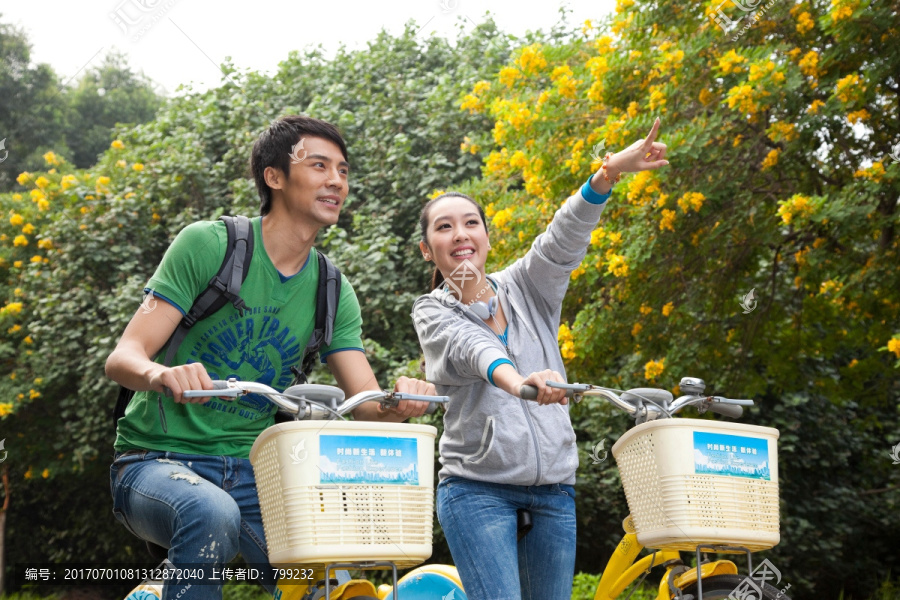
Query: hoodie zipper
[522, 403]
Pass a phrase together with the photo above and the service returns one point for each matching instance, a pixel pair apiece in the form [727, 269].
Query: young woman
[483, 337]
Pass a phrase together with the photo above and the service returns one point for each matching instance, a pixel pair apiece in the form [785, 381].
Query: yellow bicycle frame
[622, 570]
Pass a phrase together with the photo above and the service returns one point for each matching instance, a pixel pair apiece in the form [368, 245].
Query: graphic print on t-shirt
[253, 347]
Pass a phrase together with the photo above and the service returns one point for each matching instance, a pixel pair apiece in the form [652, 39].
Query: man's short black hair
[273, 149]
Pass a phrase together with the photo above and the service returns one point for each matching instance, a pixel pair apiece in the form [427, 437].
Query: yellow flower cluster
[760, 70]
[508, 76]
[796, 205]
[893, 345]
[598, 66]
[16, 219]
[875, 172]
[52, 159]
[5, 408]
[566, 86]
[518, 160]
[848, 87]
[502, 218]
[831, 286]
[842, 10]
[532, 59]
[706, 96]
[657, 98]
[771, 159]
[781, 130]
[692, 200]
[566, 342]
[814, 107]
[671, 61]
[12, 308]
[617, 266]
[117, 144]
[809, 64]
[805, 23]
[645, 310]
[741, 96]
[668, 218]
[642, 188]
[858, 115]
[636, 329]
[654, 368]
[667, 309]
[730, 62]
[68, 182]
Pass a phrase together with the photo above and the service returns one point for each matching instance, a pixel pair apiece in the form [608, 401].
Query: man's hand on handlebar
[174, 381]
[411, 408]
[546, 394]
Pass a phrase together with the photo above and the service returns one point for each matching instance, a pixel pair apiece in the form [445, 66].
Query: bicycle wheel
[721, 587]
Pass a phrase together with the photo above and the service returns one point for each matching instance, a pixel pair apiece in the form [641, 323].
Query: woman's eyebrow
[439, 217]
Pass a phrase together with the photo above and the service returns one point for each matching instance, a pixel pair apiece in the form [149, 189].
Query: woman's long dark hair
[437, 278]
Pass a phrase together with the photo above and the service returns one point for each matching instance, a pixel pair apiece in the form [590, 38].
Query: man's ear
[426, 253]
[274, 178]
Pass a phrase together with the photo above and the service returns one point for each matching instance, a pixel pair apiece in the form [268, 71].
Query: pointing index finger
[648, 142]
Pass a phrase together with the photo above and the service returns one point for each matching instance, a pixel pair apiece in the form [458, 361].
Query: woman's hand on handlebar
[411, 408]
[546, 394]
[174, 381]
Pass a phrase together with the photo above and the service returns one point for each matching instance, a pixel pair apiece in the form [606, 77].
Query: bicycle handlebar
[646, 404]
[312, 402]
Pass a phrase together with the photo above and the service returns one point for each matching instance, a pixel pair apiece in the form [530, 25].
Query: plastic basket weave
[691, 482]
[346, 491]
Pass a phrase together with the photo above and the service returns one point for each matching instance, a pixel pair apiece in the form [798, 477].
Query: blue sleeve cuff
[494, 365]
[161, 297]
[591, 196]
[325, 355]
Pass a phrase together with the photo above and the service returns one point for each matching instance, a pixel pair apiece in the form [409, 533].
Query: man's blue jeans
[205, 509]
[480, 524]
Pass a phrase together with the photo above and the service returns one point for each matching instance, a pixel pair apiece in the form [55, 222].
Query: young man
[182, 478]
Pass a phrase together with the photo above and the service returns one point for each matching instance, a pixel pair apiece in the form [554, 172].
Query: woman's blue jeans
[204, 509]
[480, 524]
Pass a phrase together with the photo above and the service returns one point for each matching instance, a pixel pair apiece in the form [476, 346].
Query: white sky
[185, 40]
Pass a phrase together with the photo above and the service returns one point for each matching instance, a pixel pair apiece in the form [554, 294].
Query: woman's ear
[426, 253]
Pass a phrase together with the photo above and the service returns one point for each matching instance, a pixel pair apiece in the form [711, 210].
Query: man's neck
[286, 242]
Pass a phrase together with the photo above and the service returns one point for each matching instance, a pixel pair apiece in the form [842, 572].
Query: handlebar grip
[529, 392]
[220, 384]
[733, 411]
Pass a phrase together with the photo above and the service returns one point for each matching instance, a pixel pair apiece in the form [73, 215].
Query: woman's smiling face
[455, 234]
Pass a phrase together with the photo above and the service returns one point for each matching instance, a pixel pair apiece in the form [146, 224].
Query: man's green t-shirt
[262, 345]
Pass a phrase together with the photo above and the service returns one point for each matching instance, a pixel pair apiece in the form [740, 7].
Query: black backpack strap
[223, 288]
[328, 295]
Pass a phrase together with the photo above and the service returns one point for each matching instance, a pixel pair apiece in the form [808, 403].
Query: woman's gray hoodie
[490, 435]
